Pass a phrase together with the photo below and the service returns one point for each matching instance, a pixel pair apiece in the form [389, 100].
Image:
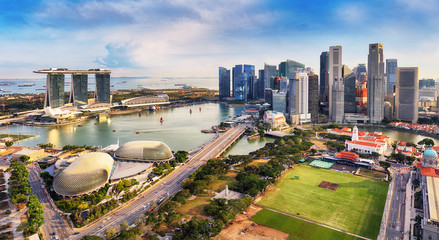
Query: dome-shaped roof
[144, 151]
[430, 153]
[429, 158]
[87, 173]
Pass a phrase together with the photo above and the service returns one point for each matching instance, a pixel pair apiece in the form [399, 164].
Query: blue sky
[184, 38]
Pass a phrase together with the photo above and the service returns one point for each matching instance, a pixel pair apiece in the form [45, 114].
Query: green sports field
[356, 206]
[297, 228]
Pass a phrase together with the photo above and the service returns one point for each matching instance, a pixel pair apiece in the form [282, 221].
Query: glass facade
[270, 71]
[350, 105]
[324, 62]
[242, 80]
[54, 91]
[102, 92]
[79, 91]
[313, 99]
[224, 83]
[288, 67]
[261, 84]
[280, 102]
[391, 65]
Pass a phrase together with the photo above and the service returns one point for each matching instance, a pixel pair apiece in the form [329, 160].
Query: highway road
[396, 220]
[54, 223]
[135, 208]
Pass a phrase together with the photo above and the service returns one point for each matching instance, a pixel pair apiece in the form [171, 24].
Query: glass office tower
[54, 90]
[79, 90]
[102, 92]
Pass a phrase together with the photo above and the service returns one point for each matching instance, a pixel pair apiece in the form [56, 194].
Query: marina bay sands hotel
[79, 86]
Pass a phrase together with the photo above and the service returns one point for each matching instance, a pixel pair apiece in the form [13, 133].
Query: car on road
[75, 233]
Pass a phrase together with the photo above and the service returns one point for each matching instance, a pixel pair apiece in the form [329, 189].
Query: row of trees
[19, 187]
[226, 210]
[35, 215]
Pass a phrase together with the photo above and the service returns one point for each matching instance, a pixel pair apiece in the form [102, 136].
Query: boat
[190, 111]
[137, 132]
[161, 119]
[123, 82]
[2, 90]
[26, 85]
[40, 89]
[96, 123]
[80, 125]
[111, 85]
[114, 130]
[200, 109]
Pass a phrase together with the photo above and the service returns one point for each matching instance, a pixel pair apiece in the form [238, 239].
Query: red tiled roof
[368, 144]
[402, 143]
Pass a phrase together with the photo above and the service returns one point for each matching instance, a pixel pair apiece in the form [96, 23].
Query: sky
[192, 38]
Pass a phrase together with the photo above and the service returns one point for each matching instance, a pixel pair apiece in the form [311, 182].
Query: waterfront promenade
[167, 187]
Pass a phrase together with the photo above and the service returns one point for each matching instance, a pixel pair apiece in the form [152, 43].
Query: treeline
[35, 215]
[337, 137]
[19, 188]
[288, 145]
[335, 146]
[69, 147]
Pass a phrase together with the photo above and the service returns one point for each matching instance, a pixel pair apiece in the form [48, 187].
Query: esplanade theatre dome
[87, 173]
[148, 151]
[429, 159]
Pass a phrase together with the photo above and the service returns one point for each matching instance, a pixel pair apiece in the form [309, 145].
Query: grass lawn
[195, 207]
[297, 228]
[356, 206]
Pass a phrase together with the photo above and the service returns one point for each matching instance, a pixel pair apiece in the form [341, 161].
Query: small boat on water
[2, 90]
[161, 119]
[200, 109]
[137, 132]
[80, 125]
[96, 123]
[114, 130]
[40, 89]
[190, 111]
[26, 85]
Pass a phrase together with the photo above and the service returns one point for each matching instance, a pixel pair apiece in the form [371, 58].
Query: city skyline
[184, 39]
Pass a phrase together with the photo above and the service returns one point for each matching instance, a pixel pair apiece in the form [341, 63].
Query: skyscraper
[253, 90]
[375, 83]
[407, 94]
[54, 90]
[261, 84]
[270, 71]
[241, 81]
[298, 97]
[224, 83]
[324, 79]
[280, 102]
[102, 92]
[391, 65]
[336, 86]
[350, 105]
[313, 97]
[289, 67]
[79, 89]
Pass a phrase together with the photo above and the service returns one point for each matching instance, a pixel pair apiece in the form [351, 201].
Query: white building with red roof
[366, 144]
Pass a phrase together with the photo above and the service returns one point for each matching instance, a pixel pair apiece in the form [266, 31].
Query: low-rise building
[32, 153]
[275, 119]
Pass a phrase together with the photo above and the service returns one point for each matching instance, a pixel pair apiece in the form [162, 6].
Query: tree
[9, 144]
[384, 164]
[24, 158]
[91, 237]
[109, 233]
[35, 214]
[426, 141]
[124, 225]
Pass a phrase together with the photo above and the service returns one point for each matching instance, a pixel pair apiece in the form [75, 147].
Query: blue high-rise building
[261, 83]
[391, 65]
[224, 83]
[102, 92]
[242, 80]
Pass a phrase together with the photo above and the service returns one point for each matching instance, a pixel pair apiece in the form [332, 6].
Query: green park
[351, 203]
